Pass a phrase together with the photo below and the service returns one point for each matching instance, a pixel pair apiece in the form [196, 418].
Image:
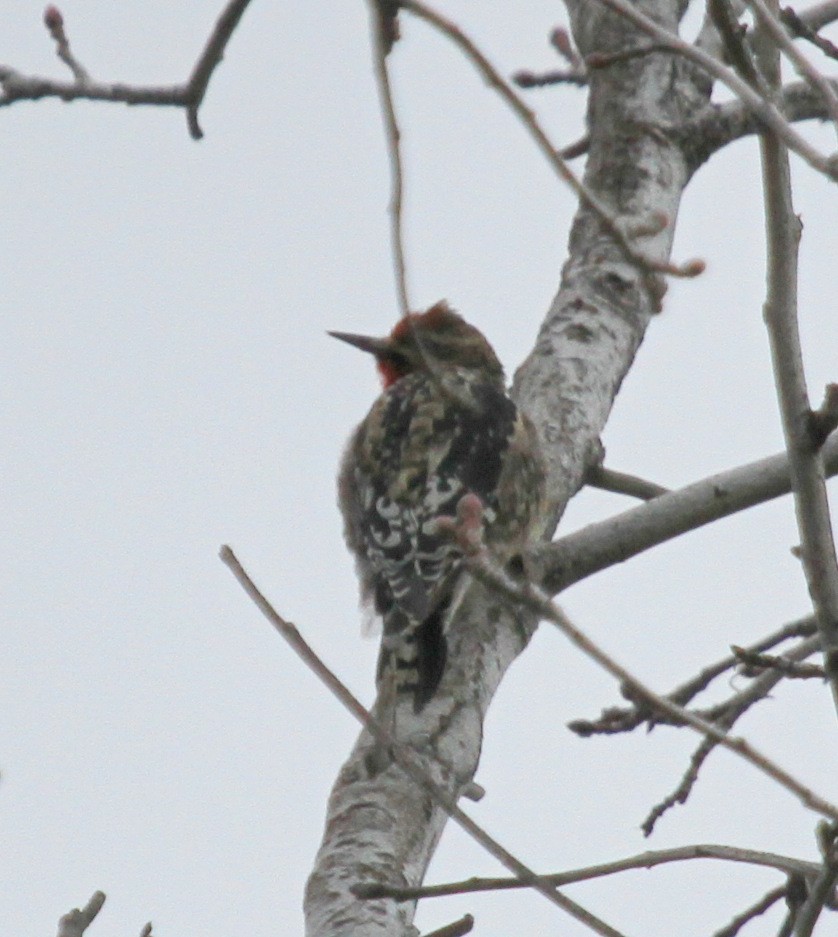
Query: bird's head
[425, 341]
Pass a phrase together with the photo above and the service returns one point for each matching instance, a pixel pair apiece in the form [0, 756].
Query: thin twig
[824, 420]
[566, 76]
[820, 14]
[731, 34]
[763, 109]
[532, 598]
[573, 150]
[757, 663]
[783, 42]
[209, 59]
[381, 42]
[797, 27]
[725, 716]
[587, 551]
[824, 886]
[615, 720]
[494, 79]
[455, 928]
[562, 43]
[768, 900]
[15, 86]
[623, 484]
[76, 922]
[405, 759]
[644, 860]
[782, 233]
[54, 22]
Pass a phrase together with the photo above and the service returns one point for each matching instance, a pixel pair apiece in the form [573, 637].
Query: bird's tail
[413, 654]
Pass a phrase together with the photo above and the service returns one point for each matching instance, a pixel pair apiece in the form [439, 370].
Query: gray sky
[167, 387]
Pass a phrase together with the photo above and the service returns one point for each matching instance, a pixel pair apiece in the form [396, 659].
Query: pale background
[167, 387]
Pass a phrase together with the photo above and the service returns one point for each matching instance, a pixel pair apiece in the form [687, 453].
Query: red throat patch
[389, 371]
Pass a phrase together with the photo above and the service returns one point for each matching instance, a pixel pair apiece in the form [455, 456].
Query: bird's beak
[375, 346]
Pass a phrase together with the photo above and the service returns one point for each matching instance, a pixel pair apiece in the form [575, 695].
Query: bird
[443, 427]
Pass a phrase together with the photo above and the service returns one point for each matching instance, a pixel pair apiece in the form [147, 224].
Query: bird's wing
[420, 451]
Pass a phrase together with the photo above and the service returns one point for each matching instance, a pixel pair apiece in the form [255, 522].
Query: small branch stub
[74, 923]
[824, 420]
[54, 22]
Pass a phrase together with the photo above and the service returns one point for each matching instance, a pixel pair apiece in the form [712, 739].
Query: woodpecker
[442, 428]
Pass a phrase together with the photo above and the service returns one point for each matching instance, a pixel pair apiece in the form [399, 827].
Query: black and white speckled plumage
[436, 433]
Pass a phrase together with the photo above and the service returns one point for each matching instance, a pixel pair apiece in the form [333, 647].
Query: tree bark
[385, 828]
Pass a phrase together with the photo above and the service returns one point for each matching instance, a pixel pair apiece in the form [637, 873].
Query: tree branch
[805, 465]
[760, 107]
[455, 929]
[529, 596]
[623, 483]
[597, 546]
[721, 124]
[18, 87]
[382, 40]
[768, 900]
[209, 59]
[614, 720]
[823, 888]
[567, 385]
[587, 197]
[76, 922]
[725, 715]
[420, 766]
[645, 860]
[820, 15]
[783, 43]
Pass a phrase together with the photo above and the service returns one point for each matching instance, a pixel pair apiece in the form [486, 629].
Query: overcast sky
[167, 386]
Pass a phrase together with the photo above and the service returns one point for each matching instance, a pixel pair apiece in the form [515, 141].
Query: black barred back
[428, 440]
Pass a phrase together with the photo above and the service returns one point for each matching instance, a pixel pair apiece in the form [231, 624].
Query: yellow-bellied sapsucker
[443, 427]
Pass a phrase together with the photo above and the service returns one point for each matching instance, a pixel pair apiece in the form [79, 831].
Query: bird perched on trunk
[442, 428]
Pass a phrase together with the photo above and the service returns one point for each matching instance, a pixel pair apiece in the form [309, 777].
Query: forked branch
[15, 86]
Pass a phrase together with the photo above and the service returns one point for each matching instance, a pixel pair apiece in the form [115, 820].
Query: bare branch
[606, 217]
[528, 596]
[783, 42]
[76, 922]
[578, 148]
[731, 33]
[560, 40]
[597, 546]
[54, 22]
[763, 109]
[645, 860]
[753, 664]
[623, 484]
[805, 465]
[18, 87]
[406, 760]
[615, 720]
[525, 79]
[797, 27]
[768, 900]
[720, 124]
[824, 420]
[725, 715]
[209, 60]
[820, 15]
[382, 39]
[822, 890]
[455, 929]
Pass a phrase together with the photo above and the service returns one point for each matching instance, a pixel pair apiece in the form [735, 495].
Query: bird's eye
[398, 363]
